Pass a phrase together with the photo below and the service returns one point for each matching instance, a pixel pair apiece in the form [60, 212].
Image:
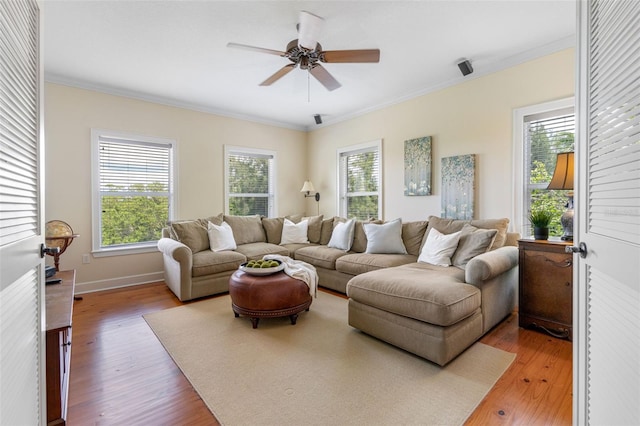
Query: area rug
[319, 371]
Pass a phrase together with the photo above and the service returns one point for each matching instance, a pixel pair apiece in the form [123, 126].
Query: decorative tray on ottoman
[258, 269]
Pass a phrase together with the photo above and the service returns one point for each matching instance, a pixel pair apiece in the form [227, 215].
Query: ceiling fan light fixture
[309, 29]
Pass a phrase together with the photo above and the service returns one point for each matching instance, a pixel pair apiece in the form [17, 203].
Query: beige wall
[474, 117]
[71, 113]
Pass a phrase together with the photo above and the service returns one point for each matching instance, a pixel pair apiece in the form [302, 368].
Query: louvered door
[607, 306]
[22, 378]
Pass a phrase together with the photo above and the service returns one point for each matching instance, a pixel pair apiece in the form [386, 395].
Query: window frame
[97, 136]
[253, 152]
[519, 213]
[341, 154]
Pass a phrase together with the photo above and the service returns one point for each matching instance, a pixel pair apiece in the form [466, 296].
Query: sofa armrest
[491, 264]
[178, 261]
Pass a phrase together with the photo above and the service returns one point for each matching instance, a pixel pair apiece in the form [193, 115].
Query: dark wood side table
[59, 302]
[546, 286]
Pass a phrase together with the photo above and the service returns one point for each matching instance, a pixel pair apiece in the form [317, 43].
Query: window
[250, 182]
[133, 191]
[544, 131]
[360, 181]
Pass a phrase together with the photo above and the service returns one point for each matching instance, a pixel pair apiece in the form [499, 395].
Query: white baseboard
[92, 286]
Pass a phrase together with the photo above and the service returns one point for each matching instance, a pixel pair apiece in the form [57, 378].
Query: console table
[546, 286]
[59, 303]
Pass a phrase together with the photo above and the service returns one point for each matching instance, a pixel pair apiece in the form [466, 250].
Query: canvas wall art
[417, 166]
[458, 186]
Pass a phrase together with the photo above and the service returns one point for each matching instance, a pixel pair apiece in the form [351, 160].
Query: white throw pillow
[385, 238]
[294, 233]
[221, 237]
[439, 248]
[342, 235]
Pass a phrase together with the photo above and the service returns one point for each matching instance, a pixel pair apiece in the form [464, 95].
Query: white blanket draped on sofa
[299, 270]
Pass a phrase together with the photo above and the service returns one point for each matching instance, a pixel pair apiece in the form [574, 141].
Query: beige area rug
[319, 371]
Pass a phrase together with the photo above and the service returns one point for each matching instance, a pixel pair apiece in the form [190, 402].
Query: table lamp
[563, 179]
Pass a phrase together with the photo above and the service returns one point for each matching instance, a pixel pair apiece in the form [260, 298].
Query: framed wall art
[417, 166]
[458, 186]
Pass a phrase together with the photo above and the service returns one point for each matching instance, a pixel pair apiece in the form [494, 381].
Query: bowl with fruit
[262, 267]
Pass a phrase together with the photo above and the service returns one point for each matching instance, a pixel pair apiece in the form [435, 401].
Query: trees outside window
[133, 186]
[360, 181]
[546, 135]
[250, 183]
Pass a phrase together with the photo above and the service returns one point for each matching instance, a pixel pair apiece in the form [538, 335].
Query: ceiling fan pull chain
[308, 86]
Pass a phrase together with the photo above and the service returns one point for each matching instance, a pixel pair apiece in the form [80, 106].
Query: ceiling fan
[305, 52]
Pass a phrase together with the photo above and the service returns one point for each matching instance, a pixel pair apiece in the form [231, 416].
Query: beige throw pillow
[314, 229]
[473, 241]
[449, 226]
[191, 233]
[273, 228]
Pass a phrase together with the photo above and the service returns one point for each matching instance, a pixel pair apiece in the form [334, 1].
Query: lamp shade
[563, 174]
[307, 187]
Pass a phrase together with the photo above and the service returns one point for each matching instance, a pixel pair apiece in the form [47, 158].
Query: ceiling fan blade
[309, 28]
[363, 55]
[323, 76]
[255, 49]
[278, 75]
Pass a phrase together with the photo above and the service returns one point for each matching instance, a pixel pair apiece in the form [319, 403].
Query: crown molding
[511, 61]
[132, 94]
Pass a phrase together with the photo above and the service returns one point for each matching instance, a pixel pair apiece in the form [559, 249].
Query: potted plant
[540, 220]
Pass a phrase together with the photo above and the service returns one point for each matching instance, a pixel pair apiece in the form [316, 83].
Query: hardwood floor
[121, 374]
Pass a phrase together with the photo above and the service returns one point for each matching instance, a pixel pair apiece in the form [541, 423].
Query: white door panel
[607, 219]
[22, 324]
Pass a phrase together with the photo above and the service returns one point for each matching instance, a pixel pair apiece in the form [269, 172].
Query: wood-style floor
[121, 375]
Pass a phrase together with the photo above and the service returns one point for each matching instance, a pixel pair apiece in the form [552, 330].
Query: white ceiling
[175, 52]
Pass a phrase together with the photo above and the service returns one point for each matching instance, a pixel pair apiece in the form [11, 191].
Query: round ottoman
[268, 296]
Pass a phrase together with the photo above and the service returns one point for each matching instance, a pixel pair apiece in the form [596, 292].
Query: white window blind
[360, 182]
[134, 190]
[250, 182]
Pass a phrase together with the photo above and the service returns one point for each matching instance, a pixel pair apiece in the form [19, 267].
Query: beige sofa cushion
[322, 256]
[412, 234]
[428, 293]
[246, 229]
[255, 251]
[216, 220]
[359, 263]
[208, 262]
[192, 233]
[449, 226]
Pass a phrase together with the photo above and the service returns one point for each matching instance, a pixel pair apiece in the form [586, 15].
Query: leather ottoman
[268, 296]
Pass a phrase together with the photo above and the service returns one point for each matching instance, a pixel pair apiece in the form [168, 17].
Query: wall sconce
[309, 190]
[563, 179]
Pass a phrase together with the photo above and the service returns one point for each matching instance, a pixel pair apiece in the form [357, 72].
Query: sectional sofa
[398, 291]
